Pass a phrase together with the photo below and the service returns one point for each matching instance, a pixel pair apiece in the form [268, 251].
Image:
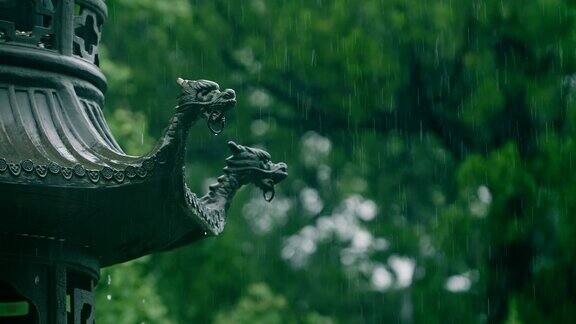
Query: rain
[430, 148]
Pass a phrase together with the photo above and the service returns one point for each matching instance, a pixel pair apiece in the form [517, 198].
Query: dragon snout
[279, 172]
[229, 94]
[283, 167]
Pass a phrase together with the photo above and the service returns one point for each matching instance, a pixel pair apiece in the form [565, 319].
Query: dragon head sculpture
[204, 97]
[245, 166]
[252, 165]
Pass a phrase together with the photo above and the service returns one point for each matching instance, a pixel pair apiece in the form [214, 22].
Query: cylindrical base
[42, 280]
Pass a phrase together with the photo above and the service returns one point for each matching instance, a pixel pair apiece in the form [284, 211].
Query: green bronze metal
[71, 201]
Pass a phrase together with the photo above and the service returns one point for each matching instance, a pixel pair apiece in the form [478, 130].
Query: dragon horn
[235, 148]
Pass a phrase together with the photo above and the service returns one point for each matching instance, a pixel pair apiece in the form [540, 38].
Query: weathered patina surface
[71, 200]
[57, 154]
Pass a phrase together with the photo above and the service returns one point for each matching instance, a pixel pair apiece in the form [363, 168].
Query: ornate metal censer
[71, 201]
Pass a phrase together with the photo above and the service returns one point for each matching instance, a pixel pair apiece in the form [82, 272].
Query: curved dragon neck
[173, 142]
[211, 208]
[221, 193]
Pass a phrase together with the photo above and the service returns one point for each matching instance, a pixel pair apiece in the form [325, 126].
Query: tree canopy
[430, 147]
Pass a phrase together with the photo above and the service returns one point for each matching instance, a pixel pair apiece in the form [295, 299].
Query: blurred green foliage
[430, 146]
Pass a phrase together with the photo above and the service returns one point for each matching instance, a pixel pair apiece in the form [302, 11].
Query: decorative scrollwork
[41, 170]
[14, 168]
[142, 173]
[3, 165]
[107, 173]
[54, 168]
[95, 176]
[119, 176]
[67, 173]
[27, 165]
[79, 170]
[130, 172]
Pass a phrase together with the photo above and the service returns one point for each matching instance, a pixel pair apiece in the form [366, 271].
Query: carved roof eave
[52, 174]
[144, 201]
[61, 170]
[64, 177]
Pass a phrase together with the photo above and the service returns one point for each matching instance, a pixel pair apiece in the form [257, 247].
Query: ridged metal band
[39, 59]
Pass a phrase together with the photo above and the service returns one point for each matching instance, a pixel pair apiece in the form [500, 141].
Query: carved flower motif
[41, 171]
[130, 172]
[14, 169]
[142, 172]
[3, 165]
[119, 176]
[79, 170]
[107, 173]
[54, 168]
[67, 173]
[94, 176]
[27, 165]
